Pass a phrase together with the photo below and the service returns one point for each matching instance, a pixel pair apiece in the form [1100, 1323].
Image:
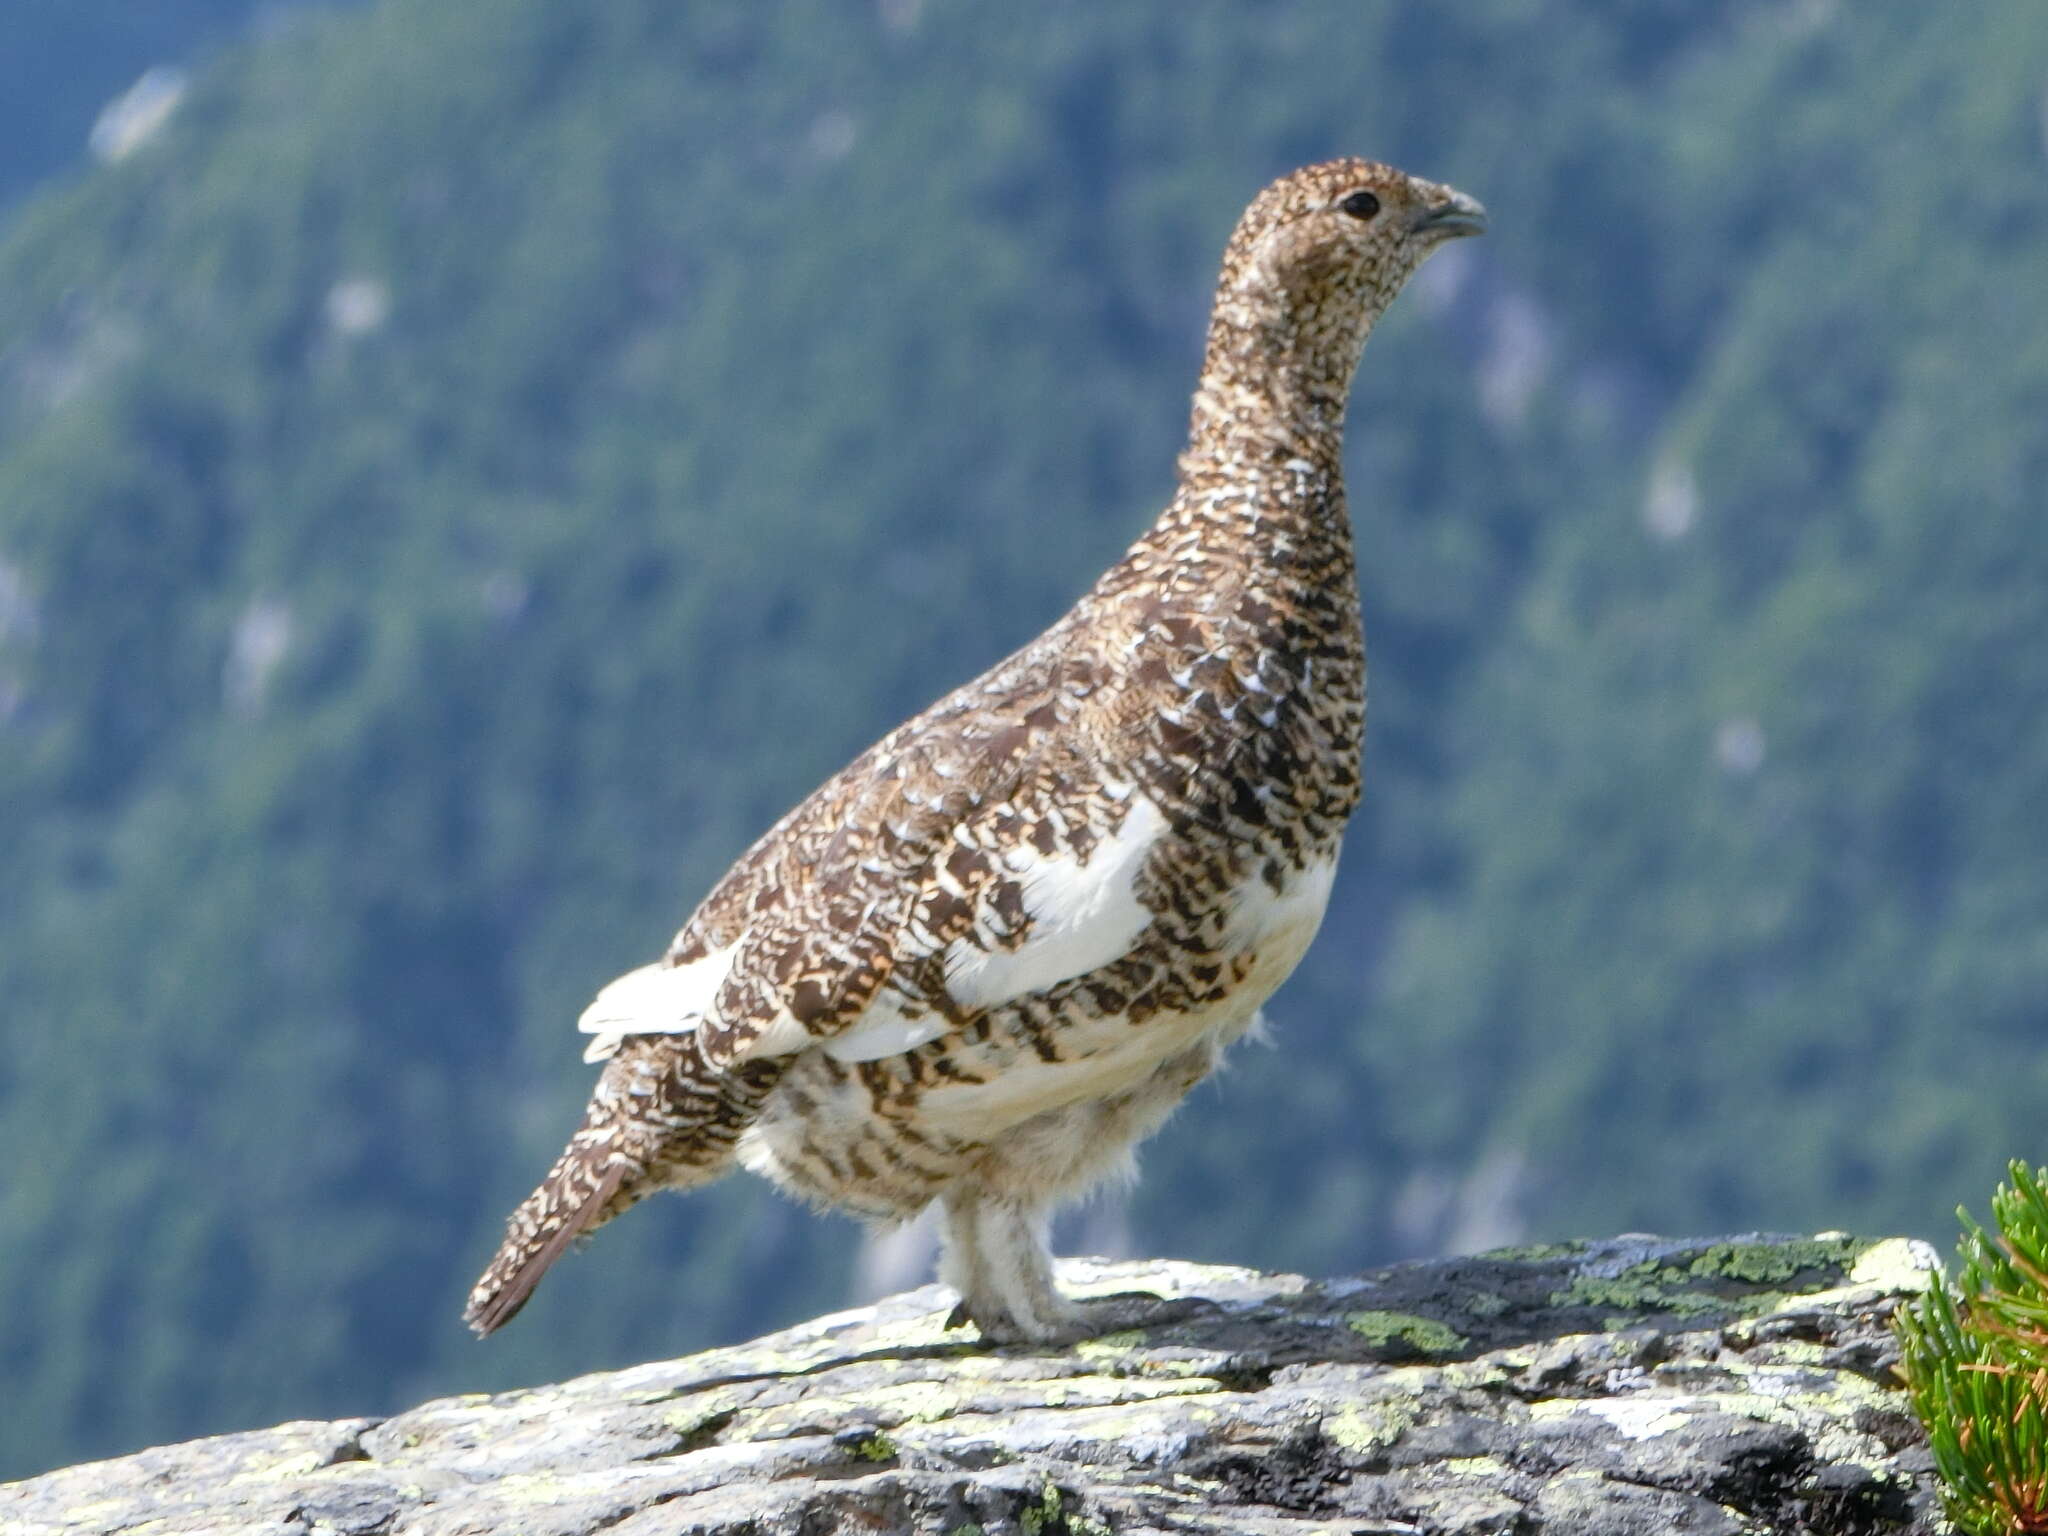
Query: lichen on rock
[1634, 1385]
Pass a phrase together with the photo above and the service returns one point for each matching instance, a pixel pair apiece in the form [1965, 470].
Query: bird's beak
[1455, 215]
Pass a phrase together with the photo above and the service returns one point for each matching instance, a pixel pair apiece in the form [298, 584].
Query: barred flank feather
[660, 1119]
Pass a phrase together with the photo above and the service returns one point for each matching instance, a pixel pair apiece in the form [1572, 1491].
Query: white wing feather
[654, 1000]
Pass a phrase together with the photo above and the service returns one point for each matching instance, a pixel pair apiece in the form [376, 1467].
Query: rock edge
[1634, 1385]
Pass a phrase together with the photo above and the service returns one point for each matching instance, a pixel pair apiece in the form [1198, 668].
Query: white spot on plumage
[883, 1031]
[1083, 915]
[781, 1035]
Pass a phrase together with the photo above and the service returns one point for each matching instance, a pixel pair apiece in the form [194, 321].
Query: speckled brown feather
[1214, 677]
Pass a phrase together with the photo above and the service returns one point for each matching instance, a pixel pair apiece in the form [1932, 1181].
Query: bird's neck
[1261, 478]
[1276, 374]
[1245, 591]
[1271, 390]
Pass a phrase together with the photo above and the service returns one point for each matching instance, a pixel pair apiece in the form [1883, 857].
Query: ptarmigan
[989, 957]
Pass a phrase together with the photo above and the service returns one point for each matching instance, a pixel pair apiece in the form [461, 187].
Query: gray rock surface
[1638, 1385]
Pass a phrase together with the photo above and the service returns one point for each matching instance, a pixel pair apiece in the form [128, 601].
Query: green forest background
[475, 464]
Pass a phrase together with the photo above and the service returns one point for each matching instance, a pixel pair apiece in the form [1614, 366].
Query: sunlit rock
[1739, 746]
[1671, 502]
[135, 116]
[1516, 359]
[357, 306]
[1633, 1385]
[262, 638]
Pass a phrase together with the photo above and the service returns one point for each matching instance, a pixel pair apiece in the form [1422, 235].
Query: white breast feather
[1260, 915]
[654, 1000]
[1083, 916]
[1111, 1057]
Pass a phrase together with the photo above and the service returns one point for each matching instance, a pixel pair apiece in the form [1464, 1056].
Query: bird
[985, 960]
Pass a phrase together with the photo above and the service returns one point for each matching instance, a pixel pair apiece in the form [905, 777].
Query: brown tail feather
[540, 1233]
[660, 1118]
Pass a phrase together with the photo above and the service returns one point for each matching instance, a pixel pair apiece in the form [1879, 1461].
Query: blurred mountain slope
[476, 465]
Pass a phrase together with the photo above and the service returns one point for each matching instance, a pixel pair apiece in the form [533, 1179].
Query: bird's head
[1344, 235]
[1313, 263]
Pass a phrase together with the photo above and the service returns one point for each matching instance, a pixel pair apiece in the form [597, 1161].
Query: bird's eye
[1360, 205]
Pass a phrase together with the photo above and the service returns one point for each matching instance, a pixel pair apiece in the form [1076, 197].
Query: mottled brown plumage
[988, 957]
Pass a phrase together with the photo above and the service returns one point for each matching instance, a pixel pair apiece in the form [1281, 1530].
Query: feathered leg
[659, 1119]
[997, 1259]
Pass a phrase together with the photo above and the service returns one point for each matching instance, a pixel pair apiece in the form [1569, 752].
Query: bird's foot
[1126, 1311]
[1074, 1321]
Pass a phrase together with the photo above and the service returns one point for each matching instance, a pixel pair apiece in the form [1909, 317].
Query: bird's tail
[660, 1118]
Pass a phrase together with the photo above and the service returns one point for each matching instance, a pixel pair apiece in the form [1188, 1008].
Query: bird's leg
[1017, 1265]
[996, 1258]
[960, 1264]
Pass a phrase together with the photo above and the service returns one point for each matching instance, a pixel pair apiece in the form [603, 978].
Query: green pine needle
[1974, 1353]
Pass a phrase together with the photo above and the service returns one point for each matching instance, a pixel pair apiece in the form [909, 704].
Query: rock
[1638, 1385]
